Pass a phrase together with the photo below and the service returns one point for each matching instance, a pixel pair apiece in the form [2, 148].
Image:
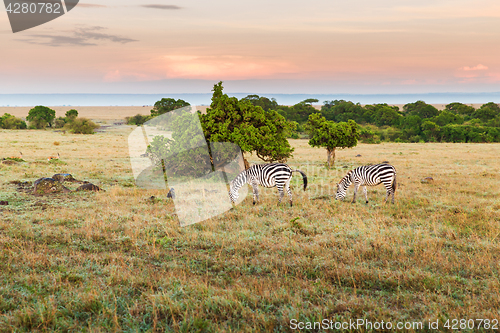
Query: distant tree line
[41, 117]
[417, 122]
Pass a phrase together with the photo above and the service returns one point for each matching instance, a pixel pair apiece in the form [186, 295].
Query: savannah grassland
[118, 260]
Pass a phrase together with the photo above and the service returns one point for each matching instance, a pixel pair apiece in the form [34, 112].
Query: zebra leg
[255, 193]
[356, 187]
[280, 189]
[366, 193]
[287, 187]
[388, 193]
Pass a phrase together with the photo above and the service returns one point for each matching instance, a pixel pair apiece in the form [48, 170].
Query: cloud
[479, 67]
[164, 7]
[88, 36]
[227, 66]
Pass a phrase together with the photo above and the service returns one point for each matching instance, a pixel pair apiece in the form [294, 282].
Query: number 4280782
[34, 8]
[456, 324]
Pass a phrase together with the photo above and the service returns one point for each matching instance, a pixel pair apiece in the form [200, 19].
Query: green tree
[250, 127]
[71, 114]
[430, 130]
[446, 117]
[460, 108]
[421, 109]
[340, 110]
[167, 104]
[264, 102]
[331, 135]
[138, 119]
[41, 116]
[299, 112]
[487, 111]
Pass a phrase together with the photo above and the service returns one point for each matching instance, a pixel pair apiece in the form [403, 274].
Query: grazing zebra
[368, 175]
[267, 175]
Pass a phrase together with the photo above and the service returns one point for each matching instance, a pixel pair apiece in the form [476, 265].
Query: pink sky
[356, 47]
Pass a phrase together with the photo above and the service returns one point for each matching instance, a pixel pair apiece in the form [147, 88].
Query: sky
[317, 46]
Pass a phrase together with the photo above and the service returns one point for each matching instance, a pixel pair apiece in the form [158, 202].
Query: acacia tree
[331, 135]
[249, 126]
[167, 104]
[41, 116]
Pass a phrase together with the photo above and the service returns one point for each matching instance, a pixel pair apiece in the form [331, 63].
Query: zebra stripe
[267, 175]
[368, 175]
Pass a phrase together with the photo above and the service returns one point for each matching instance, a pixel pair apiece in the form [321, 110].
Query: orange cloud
[479, 67]
[227, 67]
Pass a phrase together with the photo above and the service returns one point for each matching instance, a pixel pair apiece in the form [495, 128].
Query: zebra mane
[346, 180]
[237, 180]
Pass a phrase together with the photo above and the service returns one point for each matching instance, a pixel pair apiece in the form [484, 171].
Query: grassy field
[118, 261]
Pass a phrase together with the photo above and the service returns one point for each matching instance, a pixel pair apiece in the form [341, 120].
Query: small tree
[248, 126]
[331, 135]
[167, 104]
[263, 102]
[41, 116]
[71, 115]
[138, 119]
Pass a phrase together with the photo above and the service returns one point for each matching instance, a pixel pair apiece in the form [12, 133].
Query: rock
[65, 177]
[427, 180]
[89, 187]
[171, 193]
[359, 155]
[48, 185]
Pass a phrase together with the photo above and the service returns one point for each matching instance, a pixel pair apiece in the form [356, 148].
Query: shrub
[8, 121]
[81, 126]
[60, 122]
[138, 119]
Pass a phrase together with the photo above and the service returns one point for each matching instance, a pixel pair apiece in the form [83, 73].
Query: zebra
[267, 175]
[368, 175]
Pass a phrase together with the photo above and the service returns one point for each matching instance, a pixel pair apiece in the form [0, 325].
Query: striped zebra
[267, 175]
[368, 175]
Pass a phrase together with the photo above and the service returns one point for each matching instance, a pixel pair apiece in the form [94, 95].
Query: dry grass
[117, 261]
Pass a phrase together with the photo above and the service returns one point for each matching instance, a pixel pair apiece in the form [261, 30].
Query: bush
[8, 121]
[60, 122]
[81, 126]
[138, 119]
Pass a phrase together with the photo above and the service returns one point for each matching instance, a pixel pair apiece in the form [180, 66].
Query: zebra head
[340, 194]
[342, 187]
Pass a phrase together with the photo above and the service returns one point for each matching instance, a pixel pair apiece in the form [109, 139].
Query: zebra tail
[394, 185]
[304, 177]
